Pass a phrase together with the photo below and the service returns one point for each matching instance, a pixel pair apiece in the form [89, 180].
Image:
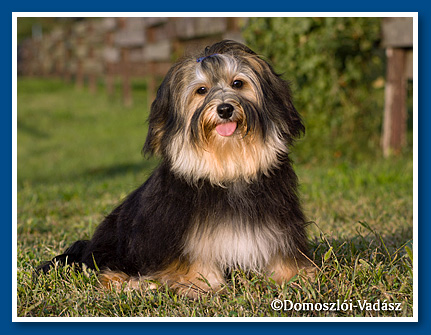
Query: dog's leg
[282, 269]
[118, 280]
[192, 279]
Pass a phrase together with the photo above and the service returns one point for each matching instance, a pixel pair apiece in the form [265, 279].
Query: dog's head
[222, 116]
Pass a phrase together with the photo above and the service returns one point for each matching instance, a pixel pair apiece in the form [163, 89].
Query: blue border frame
[424, 114]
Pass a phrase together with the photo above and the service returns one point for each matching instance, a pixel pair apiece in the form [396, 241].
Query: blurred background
[339, 68]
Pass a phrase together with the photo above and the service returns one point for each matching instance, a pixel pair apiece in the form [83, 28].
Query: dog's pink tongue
[226, 129]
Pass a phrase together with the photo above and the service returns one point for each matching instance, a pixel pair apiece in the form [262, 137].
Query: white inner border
[15, 318]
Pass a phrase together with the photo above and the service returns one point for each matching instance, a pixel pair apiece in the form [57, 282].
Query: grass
[79, 155]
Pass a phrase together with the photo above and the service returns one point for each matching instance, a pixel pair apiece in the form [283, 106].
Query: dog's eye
[202, 90]
[237, 84]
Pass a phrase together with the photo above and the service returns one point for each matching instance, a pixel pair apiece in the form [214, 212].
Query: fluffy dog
[224, 195]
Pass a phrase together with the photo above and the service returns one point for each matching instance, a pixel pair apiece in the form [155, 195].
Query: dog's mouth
[226, 129]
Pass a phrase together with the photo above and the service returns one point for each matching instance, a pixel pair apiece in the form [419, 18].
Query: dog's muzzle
[225, 112]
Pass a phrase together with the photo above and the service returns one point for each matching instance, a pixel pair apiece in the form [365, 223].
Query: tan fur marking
[190, 280]
[282, 269]
[224, 160]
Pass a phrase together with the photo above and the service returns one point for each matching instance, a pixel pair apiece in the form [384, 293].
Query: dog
[224, 195]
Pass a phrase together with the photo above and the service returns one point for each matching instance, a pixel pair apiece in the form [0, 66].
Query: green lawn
[80, 154]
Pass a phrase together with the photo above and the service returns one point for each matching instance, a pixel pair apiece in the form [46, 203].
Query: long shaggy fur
[217, 201]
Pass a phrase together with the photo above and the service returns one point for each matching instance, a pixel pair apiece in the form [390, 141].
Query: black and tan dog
[224, 195]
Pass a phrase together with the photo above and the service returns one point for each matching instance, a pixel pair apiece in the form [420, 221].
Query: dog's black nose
[225, 111]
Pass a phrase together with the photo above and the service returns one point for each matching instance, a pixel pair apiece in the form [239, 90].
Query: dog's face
[224, 117]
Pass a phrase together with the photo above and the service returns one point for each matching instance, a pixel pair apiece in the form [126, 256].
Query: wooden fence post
[395, 113]
[398, 40]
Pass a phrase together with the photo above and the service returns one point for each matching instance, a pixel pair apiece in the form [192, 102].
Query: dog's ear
[278, 100]
[158, 118]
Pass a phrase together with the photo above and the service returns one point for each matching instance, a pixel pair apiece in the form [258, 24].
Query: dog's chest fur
[232, 231]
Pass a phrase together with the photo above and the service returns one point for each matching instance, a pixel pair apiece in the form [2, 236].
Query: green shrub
[337, 69]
